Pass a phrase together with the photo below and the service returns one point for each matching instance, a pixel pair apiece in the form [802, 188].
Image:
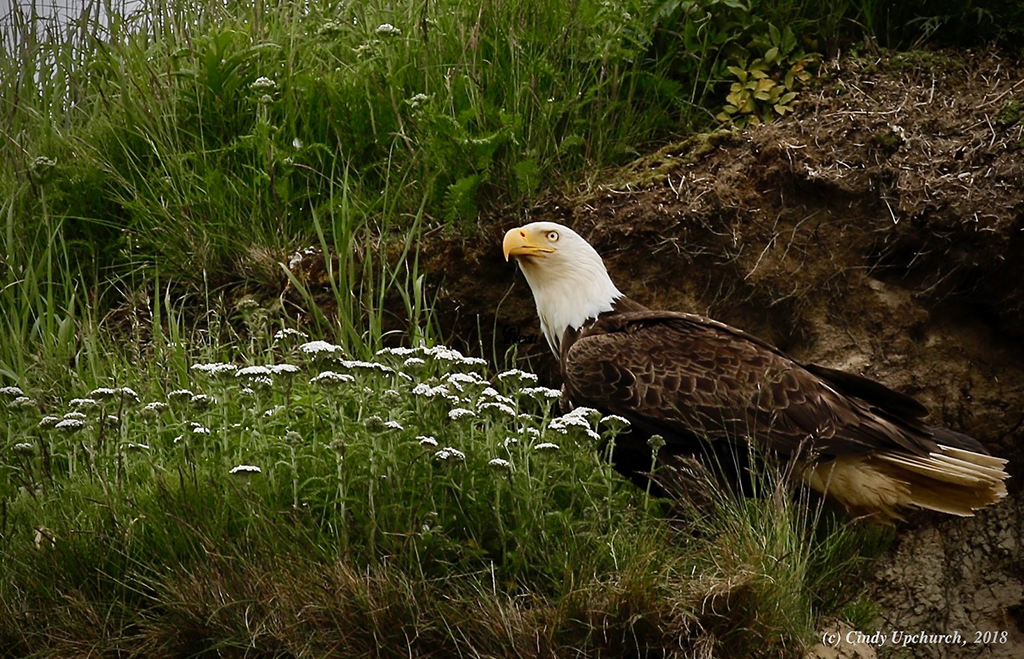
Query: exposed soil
[879, 230]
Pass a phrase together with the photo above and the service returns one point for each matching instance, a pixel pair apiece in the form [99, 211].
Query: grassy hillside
[312, 503]
[158, 171]
[204, 142]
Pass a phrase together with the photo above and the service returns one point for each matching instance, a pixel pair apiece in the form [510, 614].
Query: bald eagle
[700, 383]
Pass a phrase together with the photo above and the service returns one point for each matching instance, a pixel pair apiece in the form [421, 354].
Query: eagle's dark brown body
[694, 380]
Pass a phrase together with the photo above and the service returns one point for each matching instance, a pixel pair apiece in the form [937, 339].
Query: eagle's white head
[569, 281]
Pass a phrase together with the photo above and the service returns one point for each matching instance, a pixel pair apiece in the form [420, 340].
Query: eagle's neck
[622, 305]
[569, 296]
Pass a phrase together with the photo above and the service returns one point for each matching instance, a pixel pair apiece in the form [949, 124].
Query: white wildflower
[284, 369]
[297, 143]
[215, 369]
[443, 353]
[198, 429]
[449, 453]
[11, 392]
[154, 409]
[330, 378]
[247, 391]
[399, 351]
[532, 432]
[180, 394]
[413, 362]
[369, 366]
[417, 100]
[23, 448]
[320, 349]
[546, 446]
[21, 403]
[330, 28]
[588, 413]
[459, 380]
[426, 440]
[110, 420]
[132, 446]
[253, 372]
[263, 84]
[49, 421]
[70, 425]
[501, 407]
[569, 421]
[517, 375]
[42, 163]
[499, 463]
[202, 401]
[510, 441]
[563, 423]
[424, 389]
[245, 470]
[490, 392]
[541, 393]
[179, 439]
[78, 416]
[289, 333]
[616, 421]
[83, 403]
[273, 411]
[387, 29]
[262, 381]
[393, 425]
[104, 393]
[460, 412]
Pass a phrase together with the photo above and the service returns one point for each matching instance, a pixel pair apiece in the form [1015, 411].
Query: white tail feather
[976, 458]
[951, 480]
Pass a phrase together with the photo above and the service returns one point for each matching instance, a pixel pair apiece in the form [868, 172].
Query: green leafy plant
[768, 72]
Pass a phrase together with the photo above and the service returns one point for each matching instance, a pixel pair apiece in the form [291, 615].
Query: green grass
[203, 142]
[149, 140]
[130, 532]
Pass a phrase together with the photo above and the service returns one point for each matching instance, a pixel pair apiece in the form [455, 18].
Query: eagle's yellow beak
[519, 242]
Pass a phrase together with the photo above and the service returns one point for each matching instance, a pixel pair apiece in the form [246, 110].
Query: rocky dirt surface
[879, 230]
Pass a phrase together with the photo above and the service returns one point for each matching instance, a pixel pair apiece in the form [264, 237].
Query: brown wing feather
[692, 378]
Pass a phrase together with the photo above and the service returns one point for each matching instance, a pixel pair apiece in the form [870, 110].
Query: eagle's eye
[552, 236]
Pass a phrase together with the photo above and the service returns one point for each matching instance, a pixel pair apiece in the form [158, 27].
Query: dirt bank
[879, 230]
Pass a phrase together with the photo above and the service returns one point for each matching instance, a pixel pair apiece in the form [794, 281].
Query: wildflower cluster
[379, 417]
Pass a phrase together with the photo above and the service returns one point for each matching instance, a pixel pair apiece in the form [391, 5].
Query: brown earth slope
[879, 230]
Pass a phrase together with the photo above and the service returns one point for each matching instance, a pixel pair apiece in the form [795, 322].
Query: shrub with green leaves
[769, 73]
